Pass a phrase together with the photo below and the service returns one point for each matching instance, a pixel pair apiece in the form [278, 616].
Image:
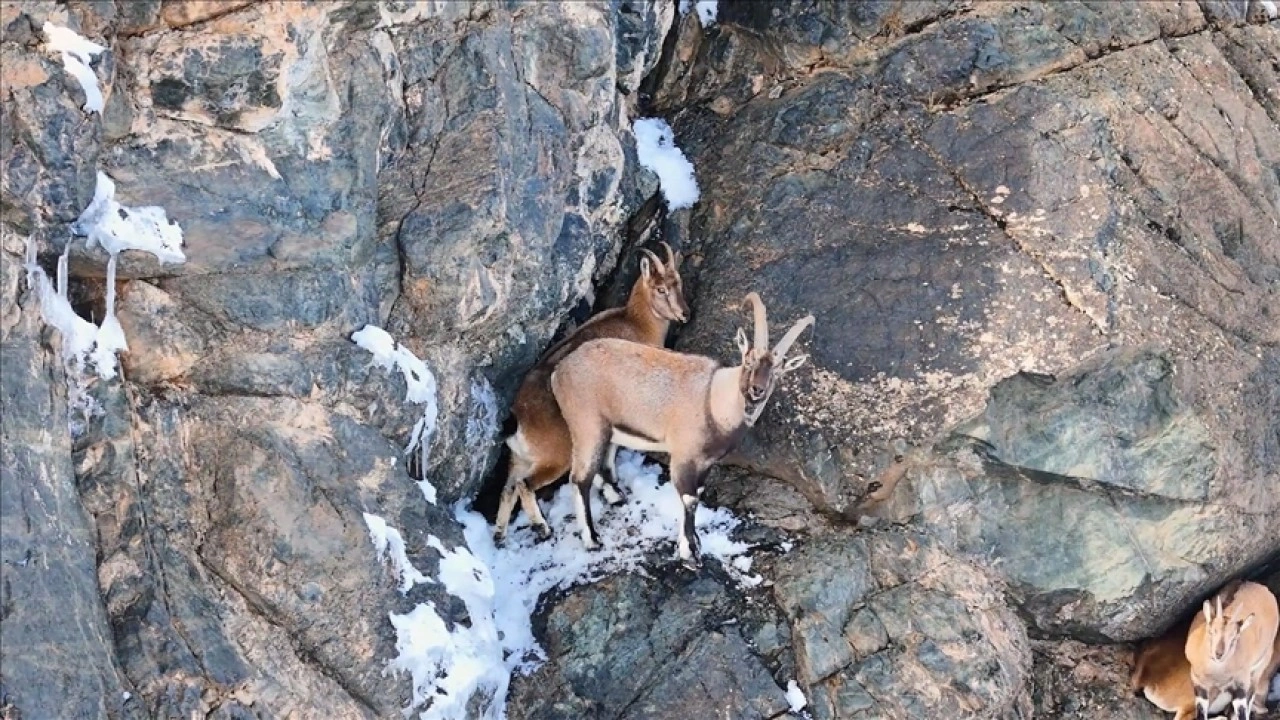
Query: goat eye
[662, 291]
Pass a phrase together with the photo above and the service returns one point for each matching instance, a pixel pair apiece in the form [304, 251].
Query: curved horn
[762, 324]
[780, 350]
[671, 256]
[654, 259]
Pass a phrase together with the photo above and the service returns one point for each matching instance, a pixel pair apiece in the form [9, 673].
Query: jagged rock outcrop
[456, 173]
[1040, 419]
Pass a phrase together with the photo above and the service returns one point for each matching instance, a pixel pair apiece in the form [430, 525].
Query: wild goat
[657, 400]
[1162, 674]
[1231, 647]
[540, 447]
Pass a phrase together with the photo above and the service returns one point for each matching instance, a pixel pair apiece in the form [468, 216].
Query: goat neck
[727, 404]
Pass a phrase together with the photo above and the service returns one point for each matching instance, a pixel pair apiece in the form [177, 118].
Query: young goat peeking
[540, 447]
[651, 399]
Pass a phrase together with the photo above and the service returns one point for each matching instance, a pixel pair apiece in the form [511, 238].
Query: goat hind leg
[506, 506]
[609, 480]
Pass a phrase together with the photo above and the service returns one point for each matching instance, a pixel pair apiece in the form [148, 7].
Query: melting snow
[501, 587]
[795, 697]
[420, 390]
[657, 151]
[388, 541]
[116, 227]
[77, 53]
[706, 9]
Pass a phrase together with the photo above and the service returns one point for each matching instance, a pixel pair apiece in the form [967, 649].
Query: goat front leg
[586, 465]
[1241, 703]
[687, 478]
[609, 481]
[1202, 702]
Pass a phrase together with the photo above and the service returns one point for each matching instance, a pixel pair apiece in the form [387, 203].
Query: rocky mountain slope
[1041, 420]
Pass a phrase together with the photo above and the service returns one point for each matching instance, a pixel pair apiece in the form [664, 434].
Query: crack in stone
[304, 654]
[1067, 294]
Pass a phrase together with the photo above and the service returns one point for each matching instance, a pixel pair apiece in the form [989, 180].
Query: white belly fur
[627, 440]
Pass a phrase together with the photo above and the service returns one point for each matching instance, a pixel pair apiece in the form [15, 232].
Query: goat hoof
[499, 539]
[541, 533]
[618, 501]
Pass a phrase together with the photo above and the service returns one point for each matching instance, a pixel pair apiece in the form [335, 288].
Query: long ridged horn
[780, 350]
[762, 323]
[657, 264]
[672, 262]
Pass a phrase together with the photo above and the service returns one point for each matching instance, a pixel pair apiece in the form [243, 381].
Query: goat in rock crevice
[651, 399]
[541, 450]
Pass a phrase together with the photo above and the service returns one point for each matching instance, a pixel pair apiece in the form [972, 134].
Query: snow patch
[795, 696]
[117, 227]
[77, 52]
[83, 343]
[706, 10]
[451, 666]
[1275, 689]
[1272, 12]
[388, 541]
[656, 149]
[523, 570]
[420, 390]
[501, 588]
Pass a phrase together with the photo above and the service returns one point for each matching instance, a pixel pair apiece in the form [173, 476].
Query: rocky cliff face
[1042, 418]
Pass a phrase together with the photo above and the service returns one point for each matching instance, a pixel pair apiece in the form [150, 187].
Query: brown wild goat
[652, 399]
[541, 450]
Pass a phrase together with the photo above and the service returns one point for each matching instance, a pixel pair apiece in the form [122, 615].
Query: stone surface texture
[1041, 419]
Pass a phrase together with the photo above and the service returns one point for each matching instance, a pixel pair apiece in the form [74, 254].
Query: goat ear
[741, 339]
[645, 269]
[793, 363]
[1208, 611]
[1246, 622]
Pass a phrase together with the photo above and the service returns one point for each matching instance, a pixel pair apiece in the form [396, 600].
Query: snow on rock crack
[420, 390]
[656, 150]
[388, 541]
[77, 52]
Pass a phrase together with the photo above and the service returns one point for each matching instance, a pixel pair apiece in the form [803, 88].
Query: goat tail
[521, 462]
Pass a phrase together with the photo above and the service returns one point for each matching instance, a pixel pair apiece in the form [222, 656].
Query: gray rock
[58, 655]
[894, 626]
[1105, 546]
[1038, 239]
[635, 648]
